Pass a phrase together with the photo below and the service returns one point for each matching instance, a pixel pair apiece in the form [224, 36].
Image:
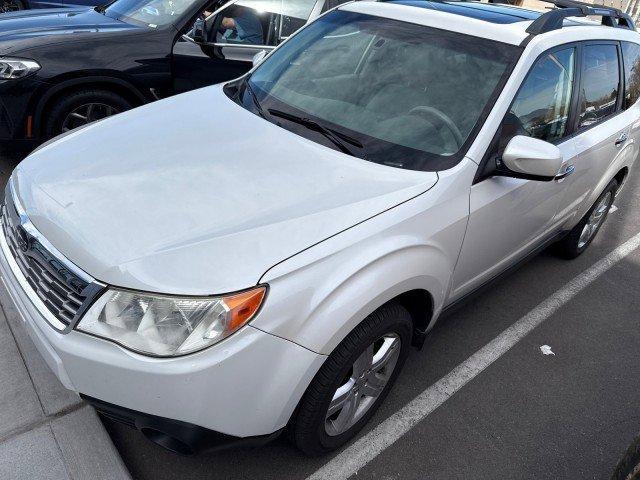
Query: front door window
[254, 22]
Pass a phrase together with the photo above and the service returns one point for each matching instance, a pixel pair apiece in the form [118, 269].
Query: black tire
[307, 428]
[64, 106]
[569, 247]
[628, 467]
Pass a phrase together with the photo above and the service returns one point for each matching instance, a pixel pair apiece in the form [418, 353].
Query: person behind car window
[241, 25]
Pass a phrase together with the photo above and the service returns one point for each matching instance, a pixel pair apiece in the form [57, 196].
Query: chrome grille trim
[59, 290]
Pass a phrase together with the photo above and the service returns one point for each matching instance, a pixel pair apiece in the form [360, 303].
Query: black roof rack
[553, 19]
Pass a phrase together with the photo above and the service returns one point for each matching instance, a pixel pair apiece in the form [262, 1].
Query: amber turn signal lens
[243, 306]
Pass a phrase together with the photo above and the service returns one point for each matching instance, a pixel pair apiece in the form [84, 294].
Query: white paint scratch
[369, 446]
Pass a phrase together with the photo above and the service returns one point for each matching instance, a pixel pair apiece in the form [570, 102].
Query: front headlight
[164, 325]
[12, 68]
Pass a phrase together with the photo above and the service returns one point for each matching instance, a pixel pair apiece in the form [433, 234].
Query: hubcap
[369, 375]
[87, 113]
[10, 6]
[595, 219]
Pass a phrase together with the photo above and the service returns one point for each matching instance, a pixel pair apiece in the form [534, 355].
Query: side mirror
[259, 57]
[530, 158]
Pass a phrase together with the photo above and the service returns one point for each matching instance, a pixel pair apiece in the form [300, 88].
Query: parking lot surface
[566, 414]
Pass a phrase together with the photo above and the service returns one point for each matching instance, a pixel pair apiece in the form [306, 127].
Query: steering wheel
[432, 113]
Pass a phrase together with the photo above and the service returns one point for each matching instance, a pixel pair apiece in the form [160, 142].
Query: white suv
[243, 258]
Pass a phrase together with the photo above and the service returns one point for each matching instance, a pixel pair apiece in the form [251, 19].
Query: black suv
[63, 68]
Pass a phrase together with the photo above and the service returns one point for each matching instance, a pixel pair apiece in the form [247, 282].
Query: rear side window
[631, 56]
[541, 107]
[599, 84]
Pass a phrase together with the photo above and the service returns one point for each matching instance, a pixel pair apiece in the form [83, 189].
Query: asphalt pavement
[528, 415]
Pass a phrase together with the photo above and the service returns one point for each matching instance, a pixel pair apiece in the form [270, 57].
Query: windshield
[151, 13]
[407, 95]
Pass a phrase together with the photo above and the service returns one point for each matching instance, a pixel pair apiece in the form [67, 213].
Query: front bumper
[246, 386]
[17, 103]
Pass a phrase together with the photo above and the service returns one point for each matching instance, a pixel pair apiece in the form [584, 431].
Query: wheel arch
[319, 318]
[102, 81]
[621, 177]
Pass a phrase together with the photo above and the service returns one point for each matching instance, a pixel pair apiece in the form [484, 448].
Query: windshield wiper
[256, 102]
[338, 139]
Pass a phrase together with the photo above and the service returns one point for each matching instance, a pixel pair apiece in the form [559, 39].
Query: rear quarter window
[631, 57]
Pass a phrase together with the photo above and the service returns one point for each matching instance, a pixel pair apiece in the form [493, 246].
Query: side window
[251, 22]
[631, 56]
[541, 107]
[294, 15]
[329, 4]
[599, 84]
[256, 22]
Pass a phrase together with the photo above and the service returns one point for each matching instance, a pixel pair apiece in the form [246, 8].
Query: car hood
[195, 195]
[31, 27]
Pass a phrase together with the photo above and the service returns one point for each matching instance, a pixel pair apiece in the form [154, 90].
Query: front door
[510, 216]
[220, 46]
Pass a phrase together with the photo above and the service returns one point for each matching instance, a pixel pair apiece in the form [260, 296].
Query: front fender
[320, 295]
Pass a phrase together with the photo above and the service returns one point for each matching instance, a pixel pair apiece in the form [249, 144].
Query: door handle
[621, 139]
[568, 170]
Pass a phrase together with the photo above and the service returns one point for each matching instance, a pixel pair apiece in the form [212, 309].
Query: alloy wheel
[87, 113]
[367, 379]
[595, 220]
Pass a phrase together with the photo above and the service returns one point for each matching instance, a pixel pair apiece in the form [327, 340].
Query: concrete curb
[46, 431]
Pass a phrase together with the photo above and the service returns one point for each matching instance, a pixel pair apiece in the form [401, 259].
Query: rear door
[221, 46]
[602, 126]
[510, 216]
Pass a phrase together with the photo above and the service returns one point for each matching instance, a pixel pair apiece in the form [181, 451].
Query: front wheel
[353, 381]
[581, 236]
[82, 108]
[629, 466]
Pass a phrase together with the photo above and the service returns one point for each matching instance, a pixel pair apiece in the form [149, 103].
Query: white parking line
[365, 449]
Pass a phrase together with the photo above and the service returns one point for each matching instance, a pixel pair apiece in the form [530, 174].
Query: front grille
[62, 291]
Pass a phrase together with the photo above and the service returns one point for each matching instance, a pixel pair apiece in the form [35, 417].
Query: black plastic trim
[554, 19]
[195, 437]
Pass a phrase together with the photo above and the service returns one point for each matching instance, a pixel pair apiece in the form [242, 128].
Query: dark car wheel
[353, 381]
[11, 6]
[629, 466]
[81, 108]
[581, 236]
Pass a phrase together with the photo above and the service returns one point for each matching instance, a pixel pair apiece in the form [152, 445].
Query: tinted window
[599, 84]
[541, 107]
[295, 14]
[408, 94]
[631, 56]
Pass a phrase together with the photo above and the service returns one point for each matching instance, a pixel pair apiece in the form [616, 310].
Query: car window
[599, 84]
[541, 107]
[152, 13]
[631, 56]
[329, 4]
[400, 90]
[294, 15]
[258, 22]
